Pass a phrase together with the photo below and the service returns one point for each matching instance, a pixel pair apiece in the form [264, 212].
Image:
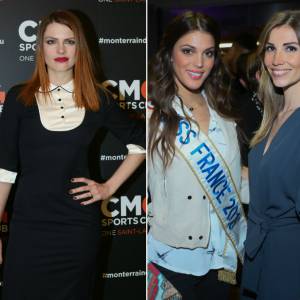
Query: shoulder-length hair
[86, 87]
[163, 88]
[271, 96]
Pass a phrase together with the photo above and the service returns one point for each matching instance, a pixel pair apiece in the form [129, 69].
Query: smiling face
[282, 57]
[59, 48]
[193, 58]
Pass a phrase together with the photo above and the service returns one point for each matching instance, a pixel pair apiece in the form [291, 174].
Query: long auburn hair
[272, 96]
[162, 86]
[86, 86]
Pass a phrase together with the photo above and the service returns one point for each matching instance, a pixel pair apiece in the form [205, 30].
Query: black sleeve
[9, 132]
[127, 130]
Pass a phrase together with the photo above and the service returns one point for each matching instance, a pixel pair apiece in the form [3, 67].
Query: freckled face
[193, 58]
[282, 56]
[59, 48]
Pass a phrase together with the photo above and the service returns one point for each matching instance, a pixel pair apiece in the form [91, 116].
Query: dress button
[204, 197]
[58, 89]
[190, 237]
[62, 107]
[189, 197]
[59, 99]
[200, 237]
[62, 117]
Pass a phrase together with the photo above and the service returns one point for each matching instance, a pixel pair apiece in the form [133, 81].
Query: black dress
[53, 241]
[272, 262]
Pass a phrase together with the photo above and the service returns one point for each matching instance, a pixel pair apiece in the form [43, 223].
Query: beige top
[59, 113]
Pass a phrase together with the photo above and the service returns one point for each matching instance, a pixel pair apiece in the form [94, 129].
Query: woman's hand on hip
[91, 192]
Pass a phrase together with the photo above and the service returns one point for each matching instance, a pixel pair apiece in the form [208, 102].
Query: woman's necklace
[192, 108]
[195, 106]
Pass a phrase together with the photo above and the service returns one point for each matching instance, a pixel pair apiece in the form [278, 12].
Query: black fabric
[192, 287]
[9, 132]
[54, 241]
[272, 267]
[250, 117]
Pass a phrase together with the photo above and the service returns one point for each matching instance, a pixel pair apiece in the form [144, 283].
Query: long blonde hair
[271, 96]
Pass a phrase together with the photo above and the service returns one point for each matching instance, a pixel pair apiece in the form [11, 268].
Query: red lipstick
[61, 59]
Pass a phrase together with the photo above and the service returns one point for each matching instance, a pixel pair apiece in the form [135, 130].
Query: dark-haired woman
[46, 127]
[197, 225]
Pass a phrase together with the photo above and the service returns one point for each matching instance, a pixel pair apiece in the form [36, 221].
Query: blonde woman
[272, 265]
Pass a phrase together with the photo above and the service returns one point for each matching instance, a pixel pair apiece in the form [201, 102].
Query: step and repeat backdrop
[117, 35]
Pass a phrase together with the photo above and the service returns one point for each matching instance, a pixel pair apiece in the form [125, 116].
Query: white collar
[68, 87]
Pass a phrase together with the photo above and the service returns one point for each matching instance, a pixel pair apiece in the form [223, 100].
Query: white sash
[215, 178]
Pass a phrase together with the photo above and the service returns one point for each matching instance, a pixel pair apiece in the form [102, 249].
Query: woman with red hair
[46, 128]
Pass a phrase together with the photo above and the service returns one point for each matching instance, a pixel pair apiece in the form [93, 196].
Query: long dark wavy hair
[162, 86]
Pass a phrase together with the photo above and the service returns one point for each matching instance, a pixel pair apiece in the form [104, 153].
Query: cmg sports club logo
[27, 34]
[123, 216]
[129, 93]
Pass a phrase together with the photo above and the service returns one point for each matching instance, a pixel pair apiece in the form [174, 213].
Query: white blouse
[60, 113]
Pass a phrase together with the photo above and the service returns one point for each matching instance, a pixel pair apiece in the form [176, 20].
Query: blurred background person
[249, 106]
[244, 42]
